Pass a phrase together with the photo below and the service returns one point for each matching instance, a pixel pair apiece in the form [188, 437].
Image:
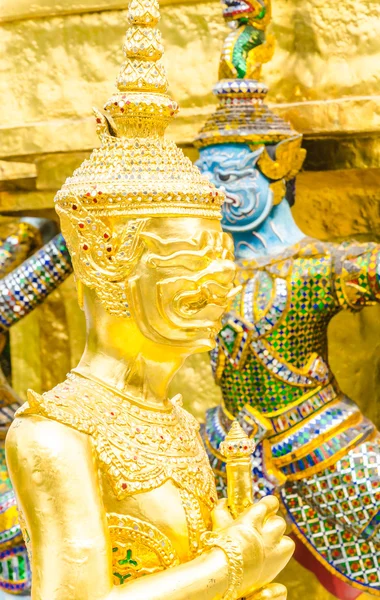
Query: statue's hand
[265, 550]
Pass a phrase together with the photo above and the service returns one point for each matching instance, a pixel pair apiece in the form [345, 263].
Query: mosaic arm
[20, 238]
[65, 532]
[29, 284]
[357, 274]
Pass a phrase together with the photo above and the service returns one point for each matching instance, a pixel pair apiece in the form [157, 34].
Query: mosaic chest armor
[314, 447]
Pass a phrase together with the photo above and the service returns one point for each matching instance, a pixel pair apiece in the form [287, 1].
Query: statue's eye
[224, 177]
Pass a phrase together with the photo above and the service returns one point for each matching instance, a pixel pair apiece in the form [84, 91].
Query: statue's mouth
[190, 303]
[232, 199]
[234, 8]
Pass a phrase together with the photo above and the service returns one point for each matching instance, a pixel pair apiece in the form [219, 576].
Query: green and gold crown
[136, 171]
[242, 115]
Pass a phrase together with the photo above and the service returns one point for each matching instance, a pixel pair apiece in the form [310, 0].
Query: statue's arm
[30, 283]
[54, 474]
[356, 273]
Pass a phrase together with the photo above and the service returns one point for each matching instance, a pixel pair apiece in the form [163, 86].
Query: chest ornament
[138, 449]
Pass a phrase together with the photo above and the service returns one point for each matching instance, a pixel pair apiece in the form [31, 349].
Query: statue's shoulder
[66, 404]
[38, 436]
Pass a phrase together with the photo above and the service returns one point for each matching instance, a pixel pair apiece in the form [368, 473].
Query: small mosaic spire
[237, 449]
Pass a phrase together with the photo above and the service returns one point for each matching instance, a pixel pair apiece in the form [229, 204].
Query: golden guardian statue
[116, 495]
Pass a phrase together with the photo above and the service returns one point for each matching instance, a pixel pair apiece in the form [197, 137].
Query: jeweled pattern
[347, 497]
[30, 283]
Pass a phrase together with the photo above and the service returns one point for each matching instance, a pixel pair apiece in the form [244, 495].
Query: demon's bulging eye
[223, 177]
[226, 177]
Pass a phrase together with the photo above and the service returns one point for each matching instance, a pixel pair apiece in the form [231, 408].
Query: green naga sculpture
[248, 46]
[314, 448]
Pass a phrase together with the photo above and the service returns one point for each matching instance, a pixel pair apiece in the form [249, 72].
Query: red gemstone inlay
[85, 247]
[124, 486]
[106, 236]
[81, 225]
[74, 207]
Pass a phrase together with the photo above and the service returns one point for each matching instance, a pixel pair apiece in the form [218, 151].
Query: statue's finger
[221, 516]
[276, 560]
[273, 530]
[261, 511]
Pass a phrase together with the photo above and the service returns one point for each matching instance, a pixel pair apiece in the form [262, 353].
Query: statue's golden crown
[136, 171]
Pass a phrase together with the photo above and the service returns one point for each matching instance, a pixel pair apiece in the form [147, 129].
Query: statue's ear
[251, 159]
[105, 123]
[286, 161]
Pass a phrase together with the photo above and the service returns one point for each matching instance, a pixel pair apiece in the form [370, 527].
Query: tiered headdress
[242, 115]
[136, 173]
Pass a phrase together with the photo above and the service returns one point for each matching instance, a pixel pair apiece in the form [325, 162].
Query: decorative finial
[141, 107]
[237, 449]
[236, 444]
[142, 70]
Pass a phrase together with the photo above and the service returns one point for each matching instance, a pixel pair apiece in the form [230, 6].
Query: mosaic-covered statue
[28, 273]
[314, 447]
[123, 503]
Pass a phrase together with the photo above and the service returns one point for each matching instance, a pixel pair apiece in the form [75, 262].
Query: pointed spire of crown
[142, 70]
[141, 107]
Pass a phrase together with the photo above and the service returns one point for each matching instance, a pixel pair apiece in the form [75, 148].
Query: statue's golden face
[172, 275]
[182, 284]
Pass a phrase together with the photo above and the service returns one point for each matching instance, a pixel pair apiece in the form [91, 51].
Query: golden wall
[60, 58]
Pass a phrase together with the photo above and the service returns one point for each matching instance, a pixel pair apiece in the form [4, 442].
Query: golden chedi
[112, 480]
